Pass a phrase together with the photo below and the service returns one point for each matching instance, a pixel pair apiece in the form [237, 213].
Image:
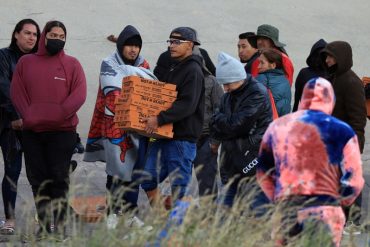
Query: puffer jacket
[350, 105]
[242, 120]
[276, 81]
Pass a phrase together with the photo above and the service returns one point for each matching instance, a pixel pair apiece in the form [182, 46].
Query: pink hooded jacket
[47, 90]
[310, 153]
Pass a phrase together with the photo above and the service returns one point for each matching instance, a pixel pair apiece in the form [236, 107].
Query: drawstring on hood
[318, 94]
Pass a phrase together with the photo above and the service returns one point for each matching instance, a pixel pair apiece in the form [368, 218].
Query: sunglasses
[176, 41]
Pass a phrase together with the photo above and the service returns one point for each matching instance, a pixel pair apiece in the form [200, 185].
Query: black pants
[12, 156]
[47, 158]
[205, 164]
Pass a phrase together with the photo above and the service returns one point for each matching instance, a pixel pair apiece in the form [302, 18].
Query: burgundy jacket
[47, 90]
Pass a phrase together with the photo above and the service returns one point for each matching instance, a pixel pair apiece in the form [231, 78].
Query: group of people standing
[231, 120]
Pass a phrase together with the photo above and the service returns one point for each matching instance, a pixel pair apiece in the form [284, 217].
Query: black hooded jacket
[240, 124]
[315, 69]
[350, 105]
[165, 61]
[8, 60]
[127, 33]
[187, 112]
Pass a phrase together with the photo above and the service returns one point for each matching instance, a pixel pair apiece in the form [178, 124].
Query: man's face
[229, 87]
[26, 38]
[245, 50]
[263, 43]
[130, 52]
[180, 49]
[330, 60]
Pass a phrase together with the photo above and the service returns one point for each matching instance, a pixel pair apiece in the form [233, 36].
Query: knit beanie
[229, 70]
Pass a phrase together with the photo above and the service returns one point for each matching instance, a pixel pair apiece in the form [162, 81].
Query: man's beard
[129, 61]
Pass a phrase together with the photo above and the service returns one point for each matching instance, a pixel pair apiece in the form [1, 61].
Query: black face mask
[54, 46]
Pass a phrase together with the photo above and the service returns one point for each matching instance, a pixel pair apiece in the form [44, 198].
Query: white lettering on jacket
[58, 78]
[250, 166]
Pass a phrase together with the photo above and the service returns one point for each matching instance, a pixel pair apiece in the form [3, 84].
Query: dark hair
[18, 28]
[274, 56]
[52, 24]
[251, 37]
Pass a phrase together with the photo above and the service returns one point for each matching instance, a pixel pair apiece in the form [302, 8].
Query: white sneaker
[134, 221]
[351, 229]
[112, 221]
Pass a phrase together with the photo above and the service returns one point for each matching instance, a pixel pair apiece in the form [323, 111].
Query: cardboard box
[130, 116]
[141, 100]
[154, 95]
[147, 82]
[156, 87]
[122, 109]
[164, 131]
[89, 208]
[365, 81]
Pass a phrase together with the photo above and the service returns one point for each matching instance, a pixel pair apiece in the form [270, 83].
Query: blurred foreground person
[310, 165]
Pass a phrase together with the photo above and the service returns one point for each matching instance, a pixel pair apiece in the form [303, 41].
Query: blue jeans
[175, 160]
[12, 169]
[257, 201]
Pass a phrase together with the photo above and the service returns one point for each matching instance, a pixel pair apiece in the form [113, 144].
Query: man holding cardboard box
[122, 151]
[186, 114]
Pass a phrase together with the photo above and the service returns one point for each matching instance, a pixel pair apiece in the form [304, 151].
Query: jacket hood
[342, 52]
[314, 59]
[318, 94]
[41, 51]
[127, 33]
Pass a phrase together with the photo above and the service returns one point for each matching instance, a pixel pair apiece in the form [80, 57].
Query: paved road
[218, 22]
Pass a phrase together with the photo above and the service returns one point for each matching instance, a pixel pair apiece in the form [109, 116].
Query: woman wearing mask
[272, 75]
[47, 90]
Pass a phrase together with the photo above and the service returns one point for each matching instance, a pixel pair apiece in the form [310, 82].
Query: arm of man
[216, 95]
[299, 85]
[352, 180]
[187, 99]
[355, 104]
[227, 126]
[266, 166]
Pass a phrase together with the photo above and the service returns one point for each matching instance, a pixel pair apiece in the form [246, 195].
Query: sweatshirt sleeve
[299, 85]
[187, 100]
[266, 166]
[77, 94]
[18, 93]
[216, 95]
[352, 180]
[355, 106]
[5, 79]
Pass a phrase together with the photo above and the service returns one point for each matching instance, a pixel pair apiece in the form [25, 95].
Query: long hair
[52, 24]
[18, 28]
[274, 56]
